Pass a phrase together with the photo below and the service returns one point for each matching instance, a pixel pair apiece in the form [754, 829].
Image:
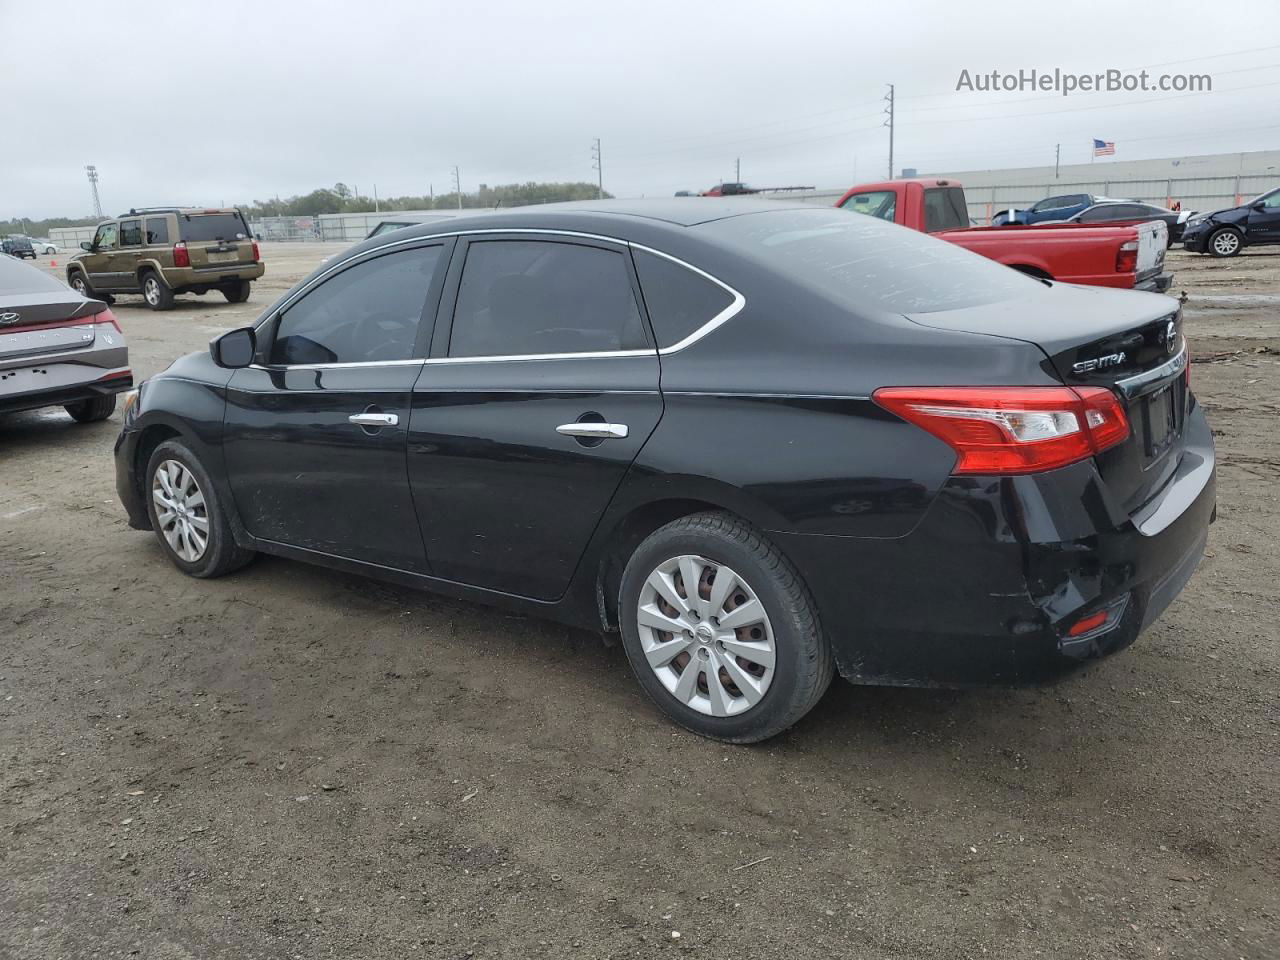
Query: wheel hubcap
[706, 636]
[181, 513]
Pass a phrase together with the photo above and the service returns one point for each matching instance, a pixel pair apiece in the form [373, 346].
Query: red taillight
[1085, 624]
[255, 251]
[1007, 430]
[1127, 257]
[180, 256]
[106, 316]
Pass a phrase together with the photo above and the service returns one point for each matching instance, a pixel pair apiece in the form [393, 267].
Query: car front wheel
[1225, 243]
[720, 629]
[187, 515]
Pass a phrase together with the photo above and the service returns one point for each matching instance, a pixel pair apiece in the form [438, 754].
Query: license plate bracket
[1161, 420]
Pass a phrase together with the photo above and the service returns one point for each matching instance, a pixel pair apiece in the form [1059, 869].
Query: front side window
[533, 297]
[106, 237]
[1271, 200]
[877, 203]
[367, 313]
[157, 230]
[679, 301]
[945, 209]
[130, 233]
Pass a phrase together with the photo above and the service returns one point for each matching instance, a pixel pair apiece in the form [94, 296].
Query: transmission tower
[92, 171]
[597, 164]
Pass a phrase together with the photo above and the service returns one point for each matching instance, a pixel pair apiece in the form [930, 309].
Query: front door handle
[374, 419]
[595, 431]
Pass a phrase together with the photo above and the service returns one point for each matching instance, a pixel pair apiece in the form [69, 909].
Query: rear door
[1263, 226]
[315, 431]
[541, 390]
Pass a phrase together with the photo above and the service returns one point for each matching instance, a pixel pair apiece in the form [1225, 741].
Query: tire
[764, 582]
[156, 292]
[80, 284]
[93, 410]
[185, 474]
[237, 292]
[1224, 242]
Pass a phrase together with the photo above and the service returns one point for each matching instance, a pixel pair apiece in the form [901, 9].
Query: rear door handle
[597, 431]
[374, 419]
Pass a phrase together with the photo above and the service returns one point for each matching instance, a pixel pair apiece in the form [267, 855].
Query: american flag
[1104, 148]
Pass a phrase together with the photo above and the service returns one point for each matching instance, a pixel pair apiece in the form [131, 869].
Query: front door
[538, 396]
[97, 262]
[1264, 224]
[315, 432]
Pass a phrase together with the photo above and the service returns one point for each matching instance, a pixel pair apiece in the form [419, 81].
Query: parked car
[1224, 233]
[57, 349]
[765, 442]
[402, 220]
[1130, 256]
[19, 247]
[1112, 211]
[44, 246]
[161, 252]
[1060, 207]
[730, 190]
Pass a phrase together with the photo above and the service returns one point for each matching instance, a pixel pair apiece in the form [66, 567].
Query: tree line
[343, 199]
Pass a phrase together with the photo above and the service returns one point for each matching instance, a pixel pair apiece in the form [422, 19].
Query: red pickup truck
[1129, 256]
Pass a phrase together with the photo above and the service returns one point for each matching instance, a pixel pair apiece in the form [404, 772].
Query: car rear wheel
[237, 292]
[92, 410]
[187, 516]
[1225, 243]
[721, 631]
[156, 292]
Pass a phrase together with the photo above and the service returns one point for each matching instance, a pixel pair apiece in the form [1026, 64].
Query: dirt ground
[291, 762]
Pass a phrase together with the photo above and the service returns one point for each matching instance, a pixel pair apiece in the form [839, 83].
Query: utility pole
[1057, 155]
[597, 163]
[457, 185]
[737, 170]
[93, 185]
[431, 192]
[375, 198]
[888, 97]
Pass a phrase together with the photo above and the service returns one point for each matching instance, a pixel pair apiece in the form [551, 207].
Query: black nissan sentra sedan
[765, 443]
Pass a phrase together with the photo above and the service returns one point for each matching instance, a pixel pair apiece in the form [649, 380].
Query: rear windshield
[213, 226]
[865, 261]
[17, 277]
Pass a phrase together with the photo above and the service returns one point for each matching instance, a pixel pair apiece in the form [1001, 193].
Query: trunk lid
[216, 239]
[38, 323]
[1153, 241]
[1126, 341]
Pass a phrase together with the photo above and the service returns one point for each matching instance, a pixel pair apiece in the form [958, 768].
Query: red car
[1129, 256]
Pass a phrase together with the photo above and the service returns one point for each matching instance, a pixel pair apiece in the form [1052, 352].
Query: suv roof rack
[134, 211]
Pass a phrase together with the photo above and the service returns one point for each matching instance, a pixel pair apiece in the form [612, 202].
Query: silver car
[57, 348]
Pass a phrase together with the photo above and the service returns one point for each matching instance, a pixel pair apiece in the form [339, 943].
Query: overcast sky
[230, 101]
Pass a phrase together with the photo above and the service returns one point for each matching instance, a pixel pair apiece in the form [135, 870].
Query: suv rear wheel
[156, 292]
[237, 292]
[721, 631]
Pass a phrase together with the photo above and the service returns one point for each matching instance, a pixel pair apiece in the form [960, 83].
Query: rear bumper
[984, 590]
[66, 393]
[212, 275]
[1157, 284]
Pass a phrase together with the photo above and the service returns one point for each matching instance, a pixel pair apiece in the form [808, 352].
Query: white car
[43, 246]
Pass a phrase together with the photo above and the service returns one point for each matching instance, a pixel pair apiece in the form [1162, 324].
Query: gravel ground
[290, 762]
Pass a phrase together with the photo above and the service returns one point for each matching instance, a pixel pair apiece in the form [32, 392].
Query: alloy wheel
[151, 290]
[78, 285]
[181, 512]
[706, 636]
[1226, 243]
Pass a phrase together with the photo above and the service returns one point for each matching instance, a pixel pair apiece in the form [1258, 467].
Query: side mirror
[1258, 206]
[86, 245]
[234, 349]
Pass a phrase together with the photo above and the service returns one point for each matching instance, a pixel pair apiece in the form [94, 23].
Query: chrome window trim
[721, 318]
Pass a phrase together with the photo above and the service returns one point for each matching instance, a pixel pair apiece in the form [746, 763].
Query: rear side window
[203, 227]
[531, 297]
[679, 301]
[367, 313]
[944, 209]
[157, 230]
[130, 233]
[864, 262]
